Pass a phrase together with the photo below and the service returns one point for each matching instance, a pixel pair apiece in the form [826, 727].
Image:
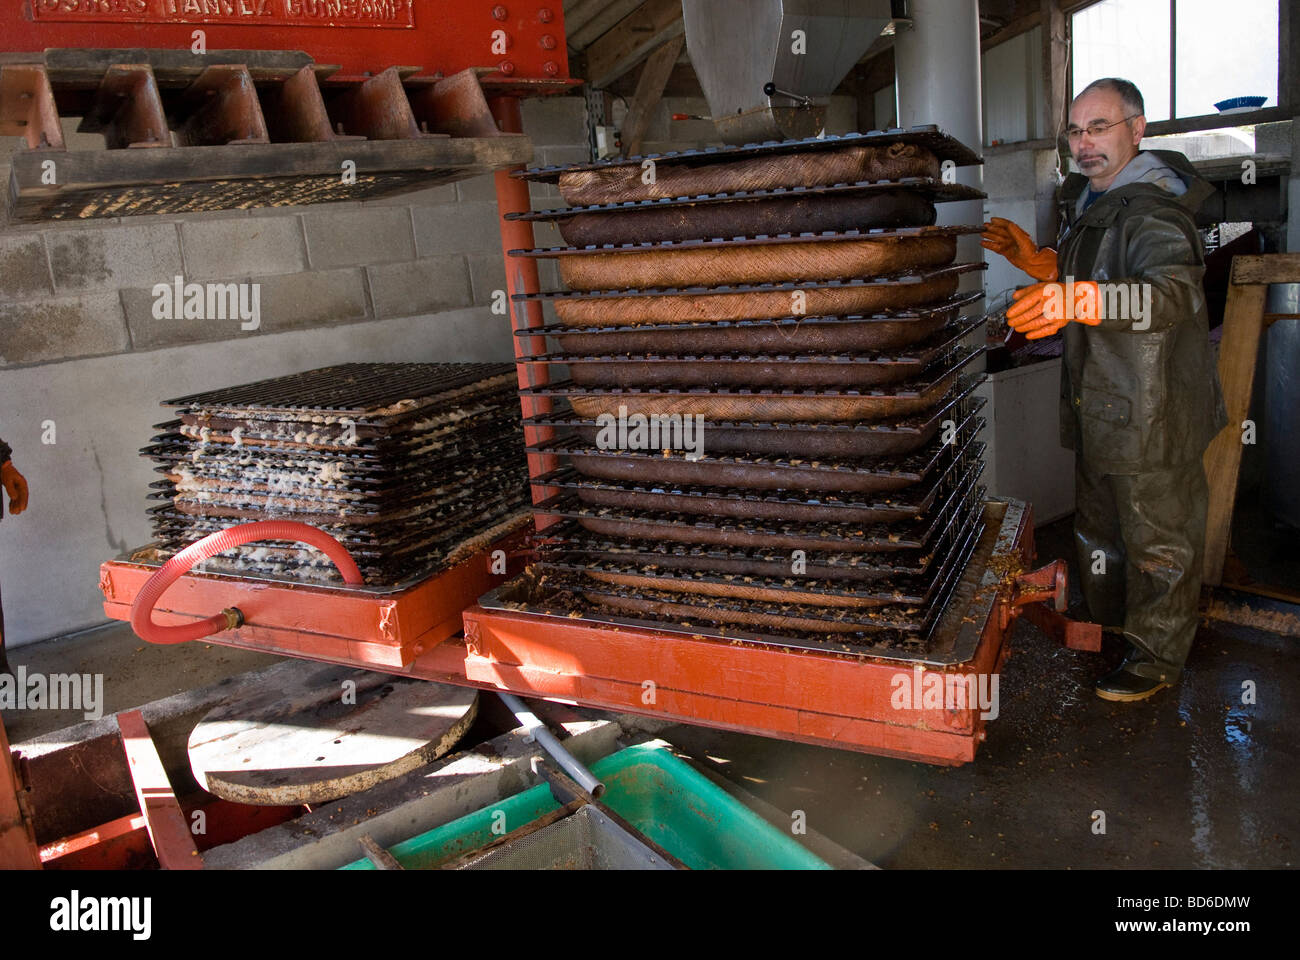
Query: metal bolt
[545, 15]
[551, 68]
[507, 68]
[500, 12]
[547, 42]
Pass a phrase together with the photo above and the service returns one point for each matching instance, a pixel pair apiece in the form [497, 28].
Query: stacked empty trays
[412, 466]
[797, 296]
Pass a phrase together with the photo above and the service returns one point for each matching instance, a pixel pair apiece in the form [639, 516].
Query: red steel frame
[812, 696]
[18, 850]
[434, 34]
[372, 630]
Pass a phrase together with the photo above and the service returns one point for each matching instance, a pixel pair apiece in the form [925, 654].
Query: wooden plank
[1265, 268]
[649, 93]
[633, 39]
[169, 831]
[103, 168]
[1243, 324]
[105, 183]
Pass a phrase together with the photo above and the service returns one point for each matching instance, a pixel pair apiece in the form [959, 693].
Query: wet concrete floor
[1191, 778]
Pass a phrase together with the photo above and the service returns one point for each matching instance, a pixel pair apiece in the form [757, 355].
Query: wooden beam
[1056, 68]
[1267, 268]
[1012, 30]
[596, 18]
[633, 39]
[169, 831]
[649, 92]
[1212, 121]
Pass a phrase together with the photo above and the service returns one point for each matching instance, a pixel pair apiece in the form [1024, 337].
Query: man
[1140, 395]
[16, 486]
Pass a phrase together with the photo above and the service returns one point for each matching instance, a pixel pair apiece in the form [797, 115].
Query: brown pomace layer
[850, 165]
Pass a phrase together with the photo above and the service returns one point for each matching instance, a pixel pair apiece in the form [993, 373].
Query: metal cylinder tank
[937, 67]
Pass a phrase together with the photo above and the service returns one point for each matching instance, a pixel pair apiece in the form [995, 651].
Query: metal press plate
[942, 145]
[956, 633]
[929, 187]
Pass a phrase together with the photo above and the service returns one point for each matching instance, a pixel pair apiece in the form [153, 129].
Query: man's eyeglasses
[1073, 134]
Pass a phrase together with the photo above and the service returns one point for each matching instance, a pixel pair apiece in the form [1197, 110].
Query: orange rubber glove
[1041, 310]
[1006, 239]
[15, 485]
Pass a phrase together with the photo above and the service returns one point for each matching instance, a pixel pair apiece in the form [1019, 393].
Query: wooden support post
[168, 829]
[1055, 67]
[1244, 323]
[649, 91]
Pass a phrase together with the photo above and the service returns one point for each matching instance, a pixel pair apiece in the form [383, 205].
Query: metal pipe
[537, 731]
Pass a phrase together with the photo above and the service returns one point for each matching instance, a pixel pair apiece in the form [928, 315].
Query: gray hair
[1128, 92]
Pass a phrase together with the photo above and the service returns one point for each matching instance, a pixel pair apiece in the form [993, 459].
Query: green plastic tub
[666, 799]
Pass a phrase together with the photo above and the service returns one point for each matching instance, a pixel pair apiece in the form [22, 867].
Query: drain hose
[230, 618]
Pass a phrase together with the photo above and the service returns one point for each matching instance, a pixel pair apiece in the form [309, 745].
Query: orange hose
[230, 618]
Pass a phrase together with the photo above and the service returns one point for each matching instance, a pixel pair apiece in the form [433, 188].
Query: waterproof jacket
[1139, 397]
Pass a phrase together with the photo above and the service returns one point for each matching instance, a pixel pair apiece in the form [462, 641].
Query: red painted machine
[419, 93]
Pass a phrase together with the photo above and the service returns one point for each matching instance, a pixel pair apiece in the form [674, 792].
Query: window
[1222, 50]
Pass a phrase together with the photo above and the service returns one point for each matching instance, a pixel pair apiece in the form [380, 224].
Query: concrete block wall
[1021, 186]
[84, 362]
